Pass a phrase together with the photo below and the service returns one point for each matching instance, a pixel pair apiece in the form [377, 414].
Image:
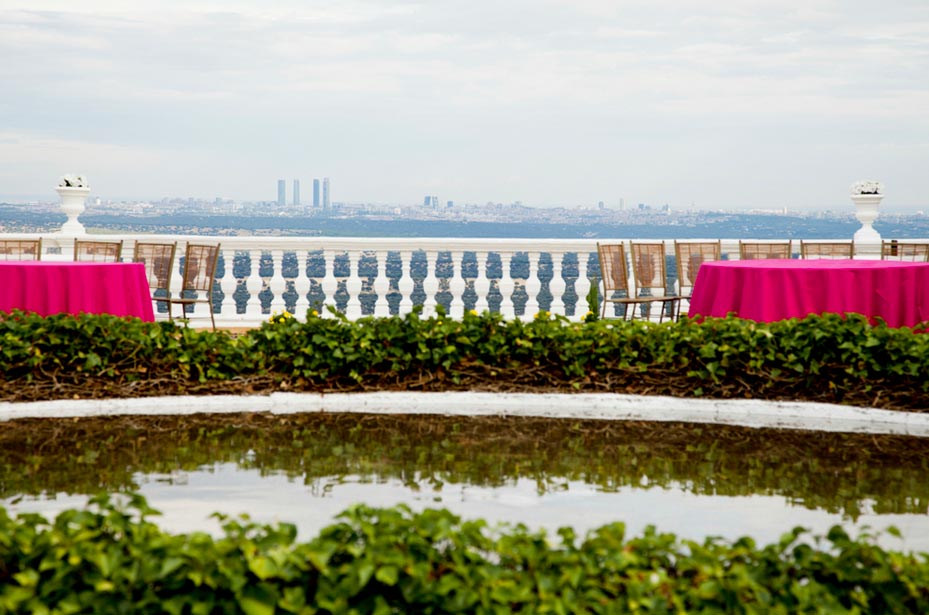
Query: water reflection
[693, 480]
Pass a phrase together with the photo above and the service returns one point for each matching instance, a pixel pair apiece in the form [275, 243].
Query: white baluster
[557, 285]
[457, 286]
[582, 287]
[353, 286]
[277, 284]
[405, 285]
[533, 286]
[228, 285]
[481, 283]
[430, 284]
[301, 285]
[506, 286]
[381, 285]
[177, 281]
[329, 284]
[254, 284]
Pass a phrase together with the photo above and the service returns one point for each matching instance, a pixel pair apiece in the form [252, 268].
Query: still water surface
[693, 481]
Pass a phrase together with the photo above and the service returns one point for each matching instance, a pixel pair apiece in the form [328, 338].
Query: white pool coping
[601, 406]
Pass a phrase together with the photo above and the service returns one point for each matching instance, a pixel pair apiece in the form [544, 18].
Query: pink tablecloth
[48, 288]
[769, 290]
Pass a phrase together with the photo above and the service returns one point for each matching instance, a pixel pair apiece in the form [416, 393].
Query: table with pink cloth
[49, 288]
[769, 290]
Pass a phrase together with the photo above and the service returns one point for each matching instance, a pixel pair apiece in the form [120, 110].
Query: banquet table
[49, 288]
[769, 290]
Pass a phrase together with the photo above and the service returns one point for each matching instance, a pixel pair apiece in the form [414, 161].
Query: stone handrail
[385, 275]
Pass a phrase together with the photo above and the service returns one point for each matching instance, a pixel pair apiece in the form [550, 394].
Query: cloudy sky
[730, 103]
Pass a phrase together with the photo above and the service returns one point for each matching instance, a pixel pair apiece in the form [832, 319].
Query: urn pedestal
[72, 204]
[867, 208]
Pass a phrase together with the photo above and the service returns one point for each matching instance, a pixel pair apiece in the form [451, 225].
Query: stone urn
[867, 196]
[73, 191]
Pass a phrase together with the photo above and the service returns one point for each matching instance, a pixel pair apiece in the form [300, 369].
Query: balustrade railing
[258, 276]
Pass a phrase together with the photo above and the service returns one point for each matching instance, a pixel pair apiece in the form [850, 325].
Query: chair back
[896, 251]
[20, 249]
[753, 250]
[613, 269]
[648, 269]
[690, 255]
[158, 259]
[200, 267]
[831, 250]
[98, 251]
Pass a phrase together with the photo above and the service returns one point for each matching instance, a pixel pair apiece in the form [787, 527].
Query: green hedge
[827, 358]
[108, 559]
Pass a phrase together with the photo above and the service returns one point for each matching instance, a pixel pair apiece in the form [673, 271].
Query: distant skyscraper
[326, 193]
[281, 192]
[296, 192]
[427, 200]
[315, 194]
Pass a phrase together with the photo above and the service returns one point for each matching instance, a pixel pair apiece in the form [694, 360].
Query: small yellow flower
[473, 312]
[314, 313]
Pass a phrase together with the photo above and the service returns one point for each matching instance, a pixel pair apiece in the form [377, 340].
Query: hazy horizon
[730, 105]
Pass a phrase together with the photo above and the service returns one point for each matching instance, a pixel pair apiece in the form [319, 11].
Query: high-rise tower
[281, 192]
[296, 192]
[326, 193]
[315, 194]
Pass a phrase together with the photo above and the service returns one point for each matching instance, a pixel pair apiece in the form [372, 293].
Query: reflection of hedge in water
[835, 472]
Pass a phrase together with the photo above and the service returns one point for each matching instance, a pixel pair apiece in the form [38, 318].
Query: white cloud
[456, 89]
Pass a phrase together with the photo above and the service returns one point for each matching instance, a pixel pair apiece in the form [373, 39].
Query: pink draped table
[769, 290]
[120, 289]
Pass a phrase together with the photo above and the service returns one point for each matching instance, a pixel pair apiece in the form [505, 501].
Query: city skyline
[729, 105]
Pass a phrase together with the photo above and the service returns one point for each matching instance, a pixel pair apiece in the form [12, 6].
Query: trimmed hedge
[824, 358]
[109, 559]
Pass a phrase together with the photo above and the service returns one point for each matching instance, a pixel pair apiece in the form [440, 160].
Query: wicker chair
[896, 251]
[20, 249]
[613, 270]
[689, 256]
[830, 250]
[198, 277]
[752, 250]
[651, 280]
[98, 251]
[158, 259]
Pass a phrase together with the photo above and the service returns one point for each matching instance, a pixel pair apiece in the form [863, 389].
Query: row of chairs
[649, 283]
[197, 276]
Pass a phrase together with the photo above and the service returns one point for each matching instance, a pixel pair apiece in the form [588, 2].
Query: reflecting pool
[693, 480]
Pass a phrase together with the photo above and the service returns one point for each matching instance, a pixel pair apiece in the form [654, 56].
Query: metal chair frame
[97, 251]
[199, 275]
[20, 249]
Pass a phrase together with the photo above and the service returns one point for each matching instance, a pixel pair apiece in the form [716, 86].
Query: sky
[727, 104]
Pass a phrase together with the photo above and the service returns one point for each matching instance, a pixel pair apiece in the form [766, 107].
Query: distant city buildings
[281, 192]
[296, 193]
[315, 194]
[326, 193]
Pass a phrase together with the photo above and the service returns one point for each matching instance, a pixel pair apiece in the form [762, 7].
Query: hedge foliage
[828, 358]
[111, 559]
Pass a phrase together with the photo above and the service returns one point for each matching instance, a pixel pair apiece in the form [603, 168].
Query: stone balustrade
[258, 276]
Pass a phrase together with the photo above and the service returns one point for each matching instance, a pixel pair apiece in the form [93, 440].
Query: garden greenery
[111, 559]
[825, 358]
